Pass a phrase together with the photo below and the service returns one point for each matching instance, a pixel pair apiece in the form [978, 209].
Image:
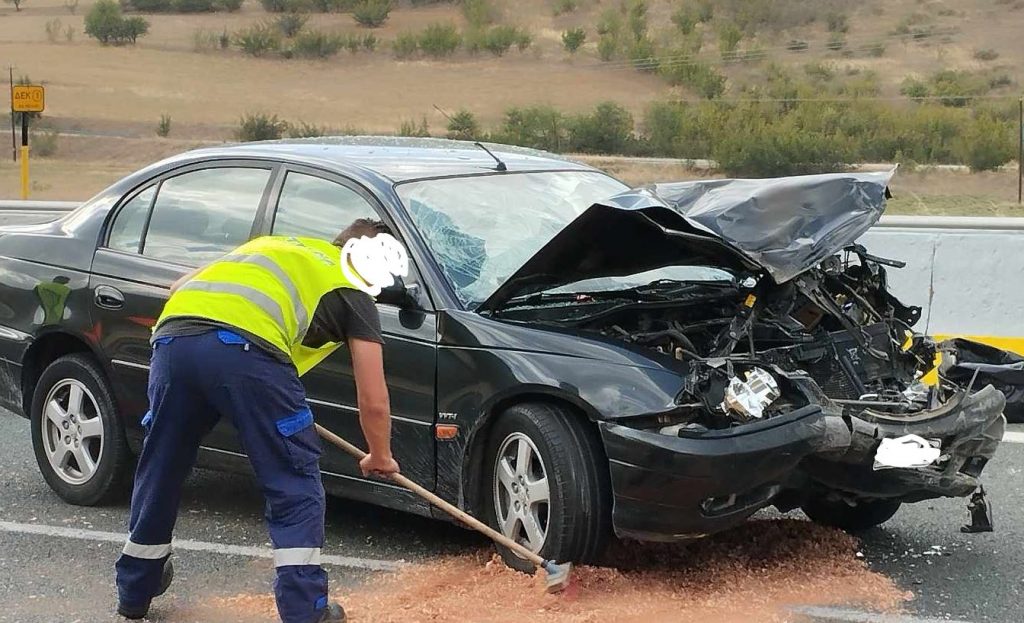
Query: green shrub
[163, 127]
[331, 6]
[837, 22]
[228, 5]
[539, 127]
[698, 76]
[463, 126]
[370, 42]
[54, 29]
[372, 13]
[44, 142]
[316, 44]
[565, 6]
[204, 40]
[705, 11]
[876, 50]
[289, 24]
[148, 6]
[572, 40]
[260, 127]
[411, 128]
[820, 72]
[105, 23]
[986, 54]
[405, 45]
[258, 40]
[499, 39]
[636, 13]
[607, 47]
[643, 54]
[986, 145]
[610, 23]
[836, 42]
[914, 88]
[303, 129]
[956, 87]
[284, 6]
[193, 6]
[607, 130]
[685, 19]
[729, 37]
[440, 40]
[479, 13]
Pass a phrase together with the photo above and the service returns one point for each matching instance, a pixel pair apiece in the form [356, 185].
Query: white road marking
[369, 564]
[826, 614]
[1013, 437]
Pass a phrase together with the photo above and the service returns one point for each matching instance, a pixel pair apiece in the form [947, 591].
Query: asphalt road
[56, 560]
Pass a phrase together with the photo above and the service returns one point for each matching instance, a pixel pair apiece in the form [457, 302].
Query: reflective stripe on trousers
[296, 556]
[146, 552]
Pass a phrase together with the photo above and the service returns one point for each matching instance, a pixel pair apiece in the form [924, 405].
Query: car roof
[394, 159]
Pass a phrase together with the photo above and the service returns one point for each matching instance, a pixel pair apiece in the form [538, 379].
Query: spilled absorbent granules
[754, 573]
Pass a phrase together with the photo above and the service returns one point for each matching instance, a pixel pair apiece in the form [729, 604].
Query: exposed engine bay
[837, 322]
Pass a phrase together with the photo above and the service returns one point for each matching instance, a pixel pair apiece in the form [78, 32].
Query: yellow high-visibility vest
[270, 287]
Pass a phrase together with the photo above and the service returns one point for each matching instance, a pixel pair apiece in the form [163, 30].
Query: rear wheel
[547, 486]
[858, 517]
[77, 436]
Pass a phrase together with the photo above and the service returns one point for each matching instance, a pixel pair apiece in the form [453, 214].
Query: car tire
[77, 435]
[864, 515]
[575, 522]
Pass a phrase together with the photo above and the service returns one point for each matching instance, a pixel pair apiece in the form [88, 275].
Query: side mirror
[400, 295]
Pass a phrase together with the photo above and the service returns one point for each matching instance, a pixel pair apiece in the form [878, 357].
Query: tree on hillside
[16, 3]
[105, 23]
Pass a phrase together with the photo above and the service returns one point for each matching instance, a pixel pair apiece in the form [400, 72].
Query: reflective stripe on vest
[269, 287]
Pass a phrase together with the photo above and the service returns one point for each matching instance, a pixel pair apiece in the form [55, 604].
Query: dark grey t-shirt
[341, 314]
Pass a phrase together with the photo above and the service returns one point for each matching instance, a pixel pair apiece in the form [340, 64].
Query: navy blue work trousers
[193, 382]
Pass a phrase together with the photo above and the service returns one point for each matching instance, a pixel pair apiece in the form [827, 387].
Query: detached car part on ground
[568, 359]
[797, 362]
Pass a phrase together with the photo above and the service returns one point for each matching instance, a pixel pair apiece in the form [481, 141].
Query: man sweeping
[232, 342]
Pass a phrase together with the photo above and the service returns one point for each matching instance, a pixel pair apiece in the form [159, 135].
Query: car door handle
[109, 298]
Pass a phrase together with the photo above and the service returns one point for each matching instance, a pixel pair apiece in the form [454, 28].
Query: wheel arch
[43, 351]
[472, 480]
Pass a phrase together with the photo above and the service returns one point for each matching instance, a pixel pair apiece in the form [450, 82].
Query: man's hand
[372, 465]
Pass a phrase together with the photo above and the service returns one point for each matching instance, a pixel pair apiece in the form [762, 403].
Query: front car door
[158, 232]
[315, 204]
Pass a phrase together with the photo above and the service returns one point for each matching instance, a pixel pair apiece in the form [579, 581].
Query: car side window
[317, 208]
[126, 230]
[200, 215]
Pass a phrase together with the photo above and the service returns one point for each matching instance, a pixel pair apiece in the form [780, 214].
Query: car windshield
[482, 229]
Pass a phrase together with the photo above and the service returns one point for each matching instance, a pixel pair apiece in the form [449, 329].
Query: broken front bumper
[670, 488]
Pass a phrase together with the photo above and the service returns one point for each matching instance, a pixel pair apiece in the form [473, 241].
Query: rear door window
[126, 230]
[317, 208]
[200, 215]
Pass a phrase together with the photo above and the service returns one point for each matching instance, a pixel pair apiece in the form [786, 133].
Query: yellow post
[24, 171]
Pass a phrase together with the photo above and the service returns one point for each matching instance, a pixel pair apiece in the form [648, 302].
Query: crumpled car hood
[783, 225]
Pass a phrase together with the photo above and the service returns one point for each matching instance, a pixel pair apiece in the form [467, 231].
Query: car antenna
[501, 165]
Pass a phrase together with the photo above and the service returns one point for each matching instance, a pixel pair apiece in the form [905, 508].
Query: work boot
[333, 613]
[138, 612]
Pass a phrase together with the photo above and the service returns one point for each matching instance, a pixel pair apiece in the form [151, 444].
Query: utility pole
[14, 139]
[1020, 152]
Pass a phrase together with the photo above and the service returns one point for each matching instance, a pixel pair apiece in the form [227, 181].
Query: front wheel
[547, 486]
[862, 515]
[77, 437]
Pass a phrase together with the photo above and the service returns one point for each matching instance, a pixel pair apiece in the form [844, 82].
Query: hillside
[635, 53]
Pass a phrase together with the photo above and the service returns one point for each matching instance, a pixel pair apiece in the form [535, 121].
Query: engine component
[749, 398]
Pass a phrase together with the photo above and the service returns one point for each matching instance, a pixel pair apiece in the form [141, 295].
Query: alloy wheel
[522, 499]
[72, 431]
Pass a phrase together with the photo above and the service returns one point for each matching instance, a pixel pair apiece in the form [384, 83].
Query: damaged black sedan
[569, 358]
